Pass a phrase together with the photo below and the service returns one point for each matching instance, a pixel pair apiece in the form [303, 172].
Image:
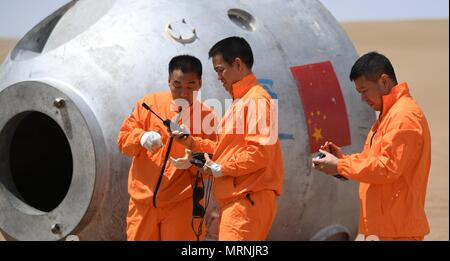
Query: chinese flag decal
[323, 104]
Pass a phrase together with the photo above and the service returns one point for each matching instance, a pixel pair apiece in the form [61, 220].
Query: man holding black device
[393, 167]
[160, 206]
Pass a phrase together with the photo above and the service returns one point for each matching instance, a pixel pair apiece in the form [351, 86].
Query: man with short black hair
[144, 137]
[247, 164]
[394, 165]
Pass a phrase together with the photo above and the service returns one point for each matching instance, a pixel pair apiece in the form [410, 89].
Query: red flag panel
[323, 104]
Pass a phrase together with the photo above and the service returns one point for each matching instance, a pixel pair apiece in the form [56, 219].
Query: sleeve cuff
[341, 167]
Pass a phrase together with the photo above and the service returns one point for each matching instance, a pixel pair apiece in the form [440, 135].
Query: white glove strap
[215, 169]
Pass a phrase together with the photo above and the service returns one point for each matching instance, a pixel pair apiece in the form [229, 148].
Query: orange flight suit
[171, 220]
[393, 170]
[252, 171]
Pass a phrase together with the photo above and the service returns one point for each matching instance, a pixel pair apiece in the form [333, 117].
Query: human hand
[327, 164]
[330, 147]
[184, 162]
[182, 136]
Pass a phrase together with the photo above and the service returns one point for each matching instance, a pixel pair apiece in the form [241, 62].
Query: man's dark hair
[187, 64]
[372, 65]
[231, 48]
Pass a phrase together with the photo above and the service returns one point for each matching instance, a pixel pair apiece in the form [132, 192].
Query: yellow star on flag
[317, 134]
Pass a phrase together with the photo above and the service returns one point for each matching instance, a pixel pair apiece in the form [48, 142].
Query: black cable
[166, 157]
[199, 231]
[209, 190]
[207, 196]
[148, 108]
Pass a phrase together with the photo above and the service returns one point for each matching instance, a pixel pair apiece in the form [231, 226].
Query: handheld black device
[320, 155]
[198, 159]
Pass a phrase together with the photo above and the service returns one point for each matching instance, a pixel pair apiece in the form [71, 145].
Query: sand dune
[5, 46]
[419, 52]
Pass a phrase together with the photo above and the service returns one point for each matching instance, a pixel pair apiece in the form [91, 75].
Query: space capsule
[71, 80]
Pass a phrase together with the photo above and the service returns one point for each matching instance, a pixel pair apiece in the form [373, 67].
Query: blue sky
[375, 10]
[18, 16]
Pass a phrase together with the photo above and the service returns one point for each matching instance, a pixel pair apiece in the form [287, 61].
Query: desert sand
[419, 51]
[5, 46]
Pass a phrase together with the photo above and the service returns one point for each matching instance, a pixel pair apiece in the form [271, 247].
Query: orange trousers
[249, 218]
[170, 223]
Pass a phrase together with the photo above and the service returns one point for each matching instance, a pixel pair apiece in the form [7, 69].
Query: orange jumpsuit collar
[240, 88]
[396, 93]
